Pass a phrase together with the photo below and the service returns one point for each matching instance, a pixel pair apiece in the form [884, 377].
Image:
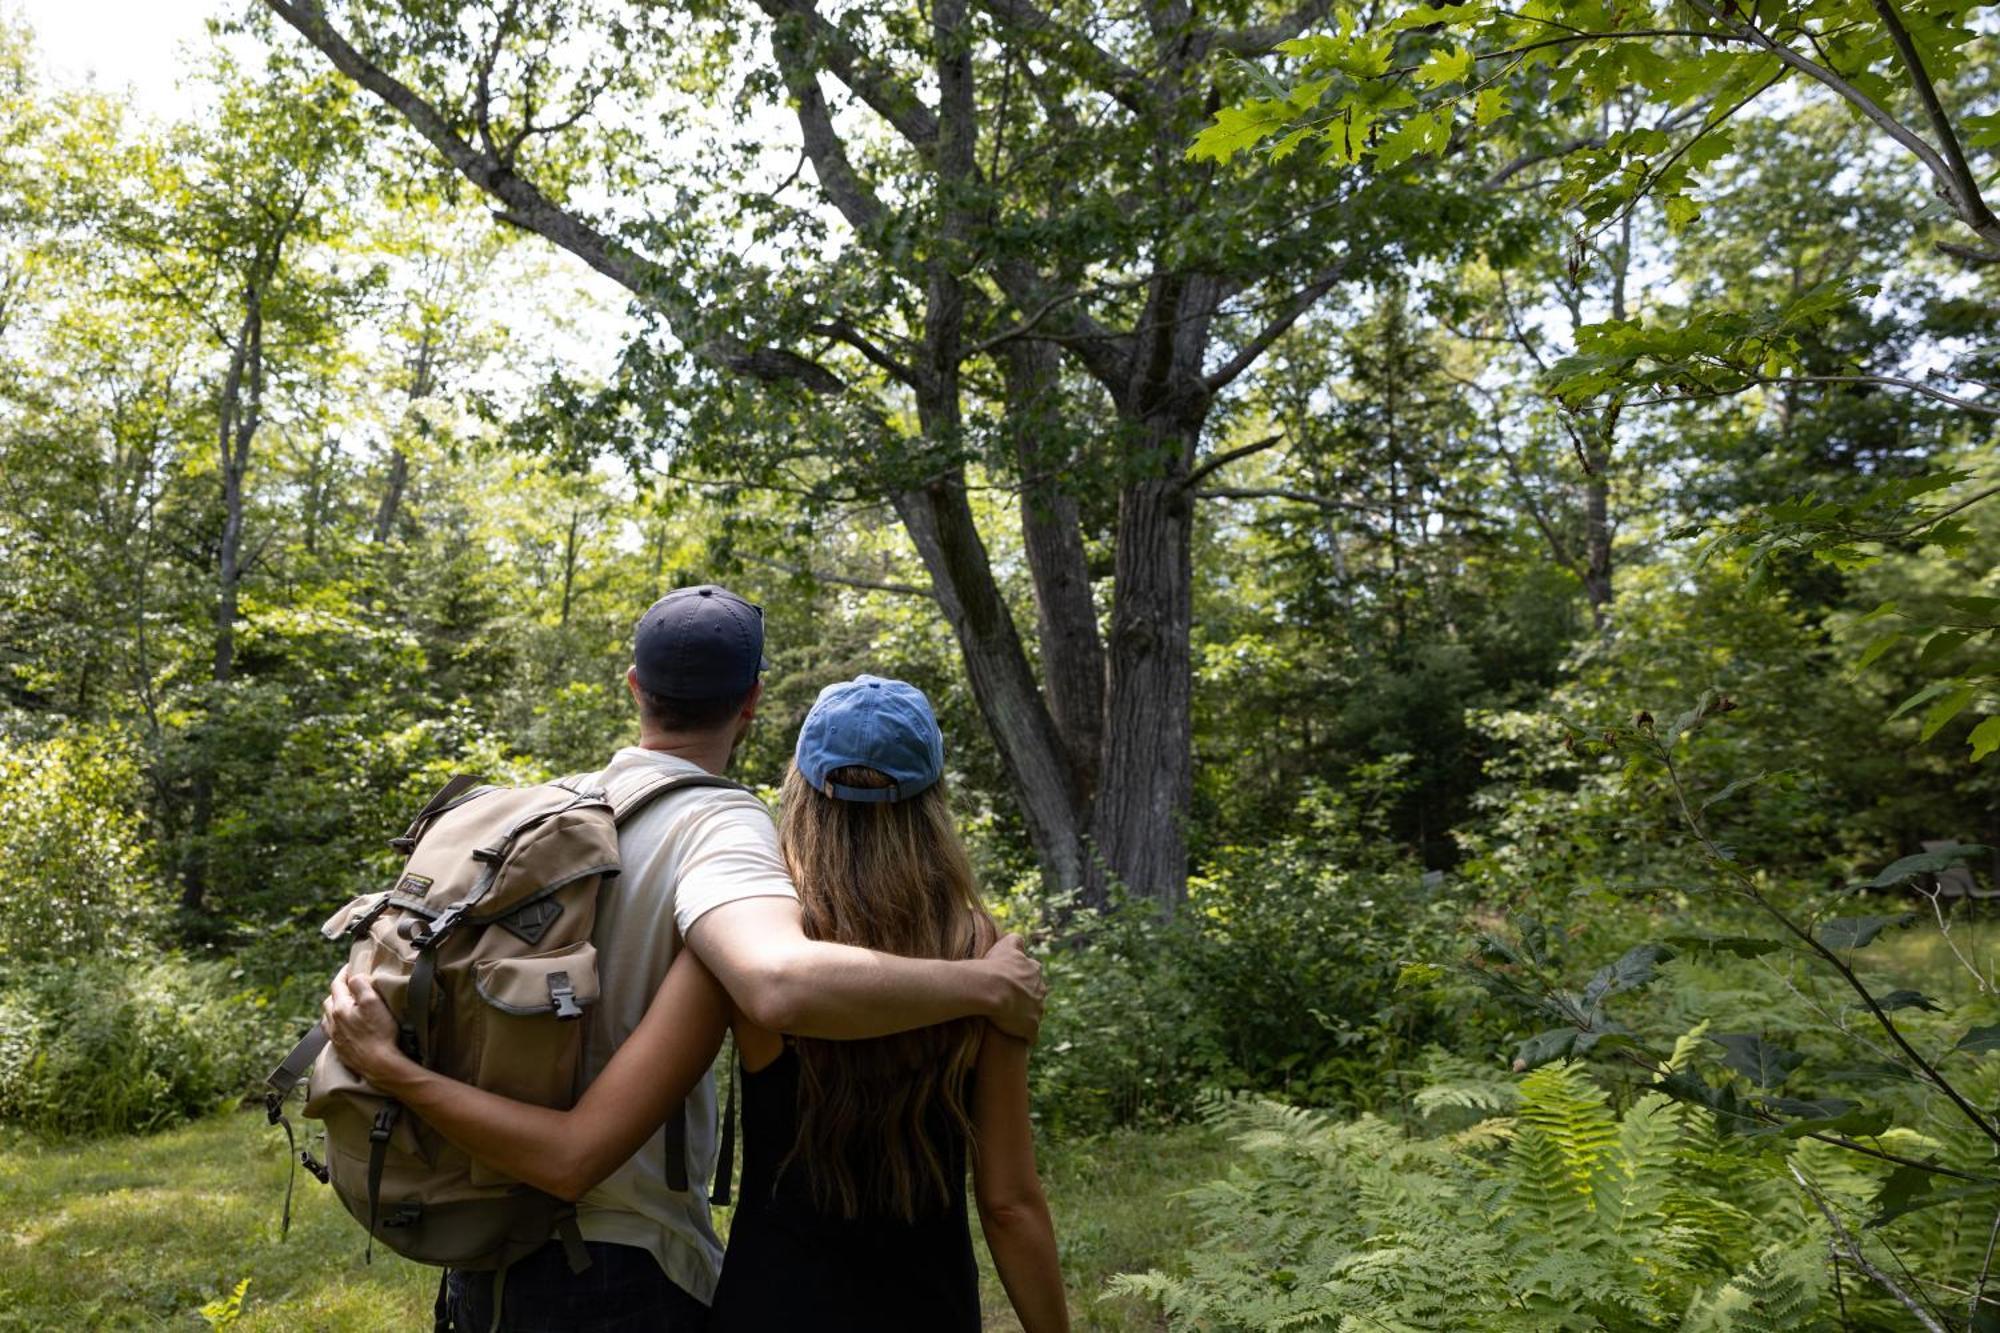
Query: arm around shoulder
[779, 979]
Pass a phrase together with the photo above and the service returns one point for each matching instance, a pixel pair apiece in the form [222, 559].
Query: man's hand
[1021, 990]
[362, 1029]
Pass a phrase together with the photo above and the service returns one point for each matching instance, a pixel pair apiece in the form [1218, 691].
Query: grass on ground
[142, 1232]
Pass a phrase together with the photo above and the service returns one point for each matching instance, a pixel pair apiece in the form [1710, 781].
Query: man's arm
[783, 981]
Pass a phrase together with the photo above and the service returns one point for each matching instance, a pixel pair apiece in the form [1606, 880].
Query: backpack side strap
[654, 788]
[675, 1131]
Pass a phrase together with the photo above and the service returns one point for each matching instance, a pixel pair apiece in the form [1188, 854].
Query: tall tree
[225, 236]
[976, 280]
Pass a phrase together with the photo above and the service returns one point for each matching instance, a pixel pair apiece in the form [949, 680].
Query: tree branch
[846, 332]
[1852, 95]
[1258, 40]
[1845, 1247]
[525, 206]
[1227, 457]
[890, 98]
[1971, 203]
[1123, 83]
[1288, 314]
[838, 180]
[845, 580]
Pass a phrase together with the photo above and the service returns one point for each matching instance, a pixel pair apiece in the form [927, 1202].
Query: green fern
[1782, 1290]
[1562, 1101]
[1560, 1216]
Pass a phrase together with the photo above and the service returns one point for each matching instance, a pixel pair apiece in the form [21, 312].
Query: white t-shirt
[685, 854]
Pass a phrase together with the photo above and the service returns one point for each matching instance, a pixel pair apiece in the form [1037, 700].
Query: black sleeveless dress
[792, 1266]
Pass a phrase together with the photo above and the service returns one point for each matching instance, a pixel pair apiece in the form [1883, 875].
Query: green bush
[97, 1046]
[1284, 973]
[73, 847]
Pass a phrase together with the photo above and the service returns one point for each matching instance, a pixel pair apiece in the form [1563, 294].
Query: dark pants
[623, 1291]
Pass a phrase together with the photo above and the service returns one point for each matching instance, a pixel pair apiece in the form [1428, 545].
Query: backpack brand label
[415, 886]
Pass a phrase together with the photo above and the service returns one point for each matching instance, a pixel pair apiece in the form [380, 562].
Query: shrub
[1282, 973]
[109, 1046]
[73, 848]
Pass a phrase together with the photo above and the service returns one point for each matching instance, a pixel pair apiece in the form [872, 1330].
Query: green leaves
[1922, 863]
[1858, 932]
[1763, 1063]
[1632, 970]
[1740, 946]
[1906, 999]
[1240, 127]
[1980, 1039]
[1449, 65]
[1910, 1188]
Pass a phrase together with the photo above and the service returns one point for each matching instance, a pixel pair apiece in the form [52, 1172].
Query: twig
[1811, 941]
[1985, 1268]
[845, 580]
[1944, 929]
[1230, 456]
[1853, 1254]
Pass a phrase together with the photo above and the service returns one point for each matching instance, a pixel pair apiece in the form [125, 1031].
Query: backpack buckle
[385, 1123]
[563, 996]
[405, 1214]
[429, 937]
[314, 1167]
[360, 924]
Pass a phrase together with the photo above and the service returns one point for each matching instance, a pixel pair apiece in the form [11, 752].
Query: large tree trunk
[1597, 540]
[1147, 775]
[1072, 651]
[939, 520]
[393, 487]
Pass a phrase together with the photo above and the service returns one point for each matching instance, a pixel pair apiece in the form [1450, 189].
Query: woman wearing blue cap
[853, 1211]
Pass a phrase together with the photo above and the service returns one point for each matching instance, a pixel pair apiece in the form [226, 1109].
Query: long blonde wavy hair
[892, 876]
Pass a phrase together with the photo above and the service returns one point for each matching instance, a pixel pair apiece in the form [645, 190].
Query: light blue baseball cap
[870, 722]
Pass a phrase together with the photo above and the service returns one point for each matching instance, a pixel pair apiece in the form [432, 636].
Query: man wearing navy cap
[702, 867]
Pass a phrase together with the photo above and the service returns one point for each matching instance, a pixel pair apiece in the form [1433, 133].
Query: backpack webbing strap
[676, 1134]
[280, 1083]
[725, 1164]
[415, 1036]
[654, 788]
[676, 1129]
[458, 786]
[378, 1154]
[293, 1067]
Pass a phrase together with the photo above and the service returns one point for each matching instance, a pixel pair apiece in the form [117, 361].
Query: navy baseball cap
[700, 643]
[869, 722]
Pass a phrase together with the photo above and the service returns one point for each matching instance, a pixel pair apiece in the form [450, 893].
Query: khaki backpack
[482, 951]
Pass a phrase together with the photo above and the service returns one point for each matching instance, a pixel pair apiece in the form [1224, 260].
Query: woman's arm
[562, 1152]
[1013, 1211]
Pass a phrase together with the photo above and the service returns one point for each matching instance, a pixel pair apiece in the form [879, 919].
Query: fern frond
[1562, 1101]
[1782, 1290]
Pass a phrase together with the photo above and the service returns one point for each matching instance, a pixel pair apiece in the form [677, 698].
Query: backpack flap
[558, 985]
[493, 855]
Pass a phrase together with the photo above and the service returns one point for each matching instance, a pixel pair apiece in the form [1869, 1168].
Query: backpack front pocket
[531, 1027]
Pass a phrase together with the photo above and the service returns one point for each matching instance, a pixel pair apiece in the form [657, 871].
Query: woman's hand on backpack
[361, 1028]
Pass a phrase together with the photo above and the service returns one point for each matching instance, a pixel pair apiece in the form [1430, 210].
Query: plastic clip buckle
[564, 996]
[443, 925]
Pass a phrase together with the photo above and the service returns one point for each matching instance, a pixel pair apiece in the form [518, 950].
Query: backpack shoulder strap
[654, 788]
